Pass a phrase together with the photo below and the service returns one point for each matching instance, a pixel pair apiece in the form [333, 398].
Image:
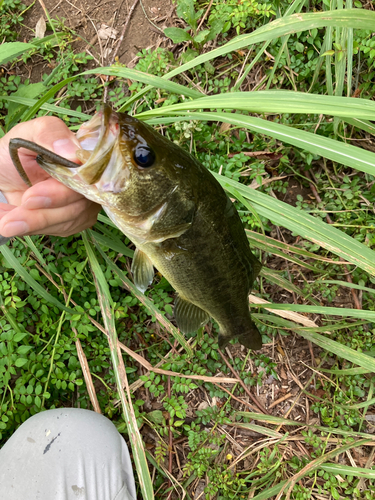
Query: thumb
[52, 133]
[66, 147]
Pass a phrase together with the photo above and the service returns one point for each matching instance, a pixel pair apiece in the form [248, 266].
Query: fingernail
[15, 228]
[37, 202]
[66, 148]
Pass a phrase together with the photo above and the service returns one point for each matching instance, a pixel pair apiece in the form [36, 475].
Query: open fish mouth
[104, 158]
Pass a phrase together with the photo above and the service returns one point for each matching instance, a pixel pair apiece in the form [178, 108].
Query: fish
[175, 212]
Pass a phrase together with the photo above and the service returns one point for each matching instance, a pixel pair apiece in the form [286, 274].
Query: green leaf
[20, 362]
[15, 110]
[156, 417]
[12, 50]
[24, 349]
[185, 10]
[209, 68]
[300, 47]
[19, 336]
[216, 27]
[202, 36]
[177, 35]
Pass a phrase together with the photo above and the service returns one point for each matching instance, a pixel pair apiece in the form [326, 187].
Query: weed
[11, 18]
[240, 15]
[186, 11]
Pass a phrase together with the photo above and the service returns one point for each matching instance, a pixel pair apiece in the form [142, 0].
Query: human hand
[48, 207]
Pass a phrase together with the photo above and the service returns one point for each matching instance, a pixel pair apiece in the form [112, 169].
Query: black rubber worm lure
[16, 144]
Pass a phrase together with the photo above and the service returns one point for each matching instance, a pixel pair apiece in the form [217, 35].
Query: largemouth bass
[174, 211]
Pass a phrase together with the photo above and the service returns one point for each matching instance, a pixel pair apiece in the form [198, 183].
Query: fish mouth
[104, 156]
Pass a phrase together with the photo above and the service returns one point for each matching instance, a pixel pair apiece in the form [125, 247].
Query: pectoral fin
[143, 270]
[188, 316]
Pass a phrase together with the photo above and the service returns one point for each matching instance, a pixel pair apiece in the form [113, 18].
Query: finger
[64, 230]
[47, 131]
[49, 194]
[22, 221]
[68, 228]
[5, 208]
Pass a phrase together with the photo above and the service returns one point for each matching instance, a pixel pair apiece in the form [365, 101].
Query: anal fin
[142, 269]
[188, 316]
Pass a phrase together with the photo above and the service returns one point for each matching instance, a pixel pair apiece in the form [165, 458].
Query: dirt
[144, 30]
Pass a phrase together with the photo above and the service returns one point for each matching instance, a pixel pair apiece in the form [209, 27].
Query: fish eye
[144, 156]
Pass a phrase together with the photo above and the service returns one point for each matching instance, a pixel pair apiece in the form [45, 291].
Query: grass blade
[334, 311]
[348, 470]
[119, 369]
[358, 358]
[139, 76]
[12, 50]
[274, 102]
[339, 152]
[306, 226]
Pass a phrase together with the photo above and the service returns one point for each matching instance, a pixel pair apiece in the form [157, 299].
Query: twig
[280, 400]
[251, 396]
[55, 7]
[99, 40]
[86, 373]
[120, 40]
[149, 20]
[205, 14]
[234, 397]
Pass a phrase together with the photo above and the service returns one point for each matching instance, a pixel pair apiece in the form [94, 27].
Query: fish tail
[248, 337]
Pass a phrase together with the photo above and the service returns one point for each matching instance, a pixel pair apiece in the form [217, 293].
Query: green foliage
[176, 407]
[186, 11]
[204, 446]
[11, 18]
[240, 15]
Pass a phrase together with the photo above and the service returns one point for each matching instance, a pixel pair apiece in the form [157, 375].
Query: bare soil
[144, 29]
